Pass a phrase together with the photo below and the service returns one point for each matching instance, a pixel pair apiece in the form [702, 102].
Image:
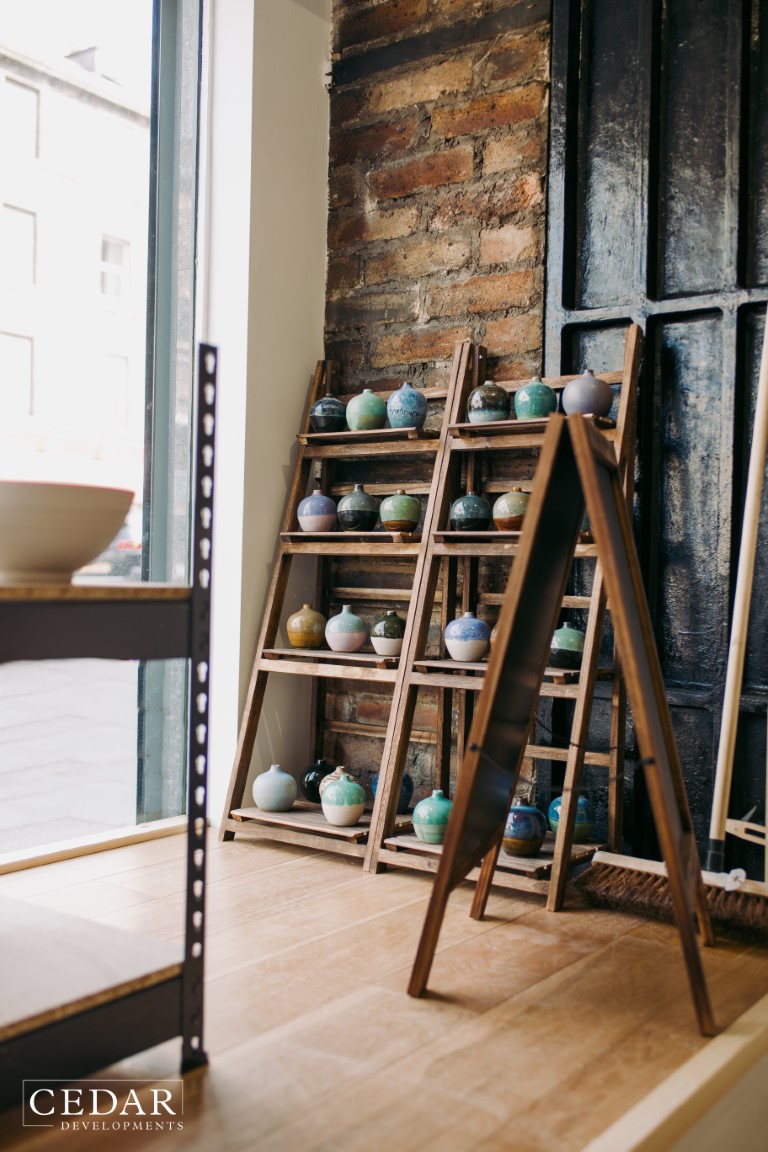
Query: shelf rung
[544, 752]
[376, 731]
[331, 671]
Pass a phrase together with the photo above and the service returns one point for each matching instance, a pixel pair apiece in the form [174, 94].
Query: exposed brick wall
[437, 188]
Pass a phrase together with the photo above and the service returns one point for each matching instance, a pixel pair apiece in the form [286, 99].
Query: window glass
[21, 110]
[16, 398]
[17, 251]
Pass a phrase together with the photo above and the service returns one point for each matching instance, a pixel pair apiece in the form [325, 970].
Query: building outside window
[21, 112]
[16, 366]
[115, 268]
[18, 246]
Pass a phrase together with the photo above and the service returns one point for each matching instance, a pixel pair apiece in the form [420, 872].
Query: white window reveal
[115, 269]
[18, 245]
[16, 361]
[21, 120]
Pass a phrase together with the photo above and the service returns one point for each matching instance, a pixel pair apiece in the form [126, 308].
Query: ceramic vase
[400, 512]
[407, 408]
[366, 411]
[566, 648]
[488, 402]
[467, 638]
[328, 415]
[387, 634]
[346, 632]
[587, 394]
[525, 829]
[358, 511]
[430, 817]
[274, 790]
[406, 792]
[309, 779]
[332, 776]
[306, 628]
[509, 510]
[343, 801]
[317, 513]
[585, 817]
[470, 513]
[535, 400]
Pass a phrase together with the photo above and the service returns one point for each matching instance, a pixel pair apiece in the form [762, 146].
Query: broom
[738, 907]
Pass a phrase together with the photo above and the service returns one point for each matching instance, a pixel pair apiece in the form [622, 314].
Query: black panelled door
[658, 213]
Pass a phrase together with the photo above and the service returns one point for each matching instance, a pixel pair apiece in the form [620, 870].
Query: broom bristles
[739, 915]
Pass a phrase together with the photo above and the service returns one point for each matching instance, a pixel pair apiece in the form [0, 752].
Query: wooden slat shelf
[514, 427]
[345, 594]
[86, 592]
[491, 543]
[305, 817]
[371, 448]
[348, 543]
[363, 438]
[545, 752]
[351, 728]
[497, 598]
[372, 658]
[289, 666]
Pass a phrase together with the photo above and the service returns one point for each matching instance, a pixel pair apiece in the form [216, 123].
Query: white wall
[264, 274]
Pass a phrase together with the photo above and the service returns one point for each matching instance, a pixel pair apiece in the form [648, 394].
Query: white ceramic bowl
[48, 531]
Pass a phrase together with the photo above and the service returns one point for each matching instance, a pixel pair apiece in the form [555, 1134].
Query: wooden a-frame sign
[576, 465]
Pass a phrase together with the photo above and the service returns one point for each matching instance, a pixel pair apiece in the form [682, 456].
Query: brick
[375, 141]
[510, 244]
[452, 166]
[422, 85]
[521, 58]
[485, 205]
[522, 148]
[349, 353]
[347, 102]
[514, 334]
[373, 308]
[393, 18]
[417, 344]
[490, 293]
[343, 187]
[518, 367]
[417, 256]
[488, 112]
[344, 273]
[366, 227]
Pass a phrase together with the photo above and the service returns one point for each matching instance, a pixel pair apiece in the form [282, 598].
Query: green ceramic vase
[509, 510]
[366, 411]
[343, 801]
[430, 817]
[400, 512]
[488, 402]
[535, 400]
[566, 648]
[387, 634]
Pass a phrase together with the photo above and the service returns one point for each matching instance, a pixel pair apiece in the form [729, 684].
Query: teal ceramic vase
[309, 780]
[587, 394]
[535, 400]
[366, 411]
[488, 402]
[358, 511]
[317, 513]
[346, 632]
[387, 634]
[470, 513]
[407, 408]
[306, 628]
[406, 792]
[274, 790]
[467, 638]
[328, 415]
[430, 817]
[509, 510]
[400, 512]
[343, 801]
[566, 648]
[585, 817]
[525, 829]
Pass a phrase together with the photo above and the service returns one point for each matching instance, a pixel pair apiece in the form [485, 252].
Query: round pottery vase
[332, 777]
[317, 513]
[430, 817]
[343, 801]
[467, 638]
[346, 632]
[509, 510]
[525, 829]
[566, 648]
[399, 512]
[328, 415]
[309, 780]
[406, 792]
[274, 790]
[535, 400]
[387, 634]
[470, 513]
[585, 817]
[407, 408]
[306, 628]
[359, 511]
[587, 394]
[488, 402]
[366, 411]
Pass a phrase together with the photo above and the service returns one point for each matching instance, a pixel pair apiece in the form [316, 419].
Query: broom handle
[738, 642]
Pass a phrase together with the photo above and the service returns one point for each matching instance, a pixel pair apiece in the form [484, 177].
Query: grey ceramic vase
[359, 511]
[470, 513]
[588, 395]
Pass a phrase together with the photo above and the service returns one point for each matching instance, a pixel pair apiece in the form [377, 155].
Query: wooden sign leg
[483, 888]
[433, 922]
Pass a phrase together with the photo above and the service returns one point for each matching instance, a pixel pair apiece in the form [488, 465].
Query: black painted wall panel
[756, 663]
[755, 144]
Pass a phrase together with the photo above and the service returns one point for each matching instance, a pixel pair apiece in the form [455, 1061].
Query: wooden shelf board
[497, 599]
[490, 542]
[372, 658]
[382, 435]
[519, 427]
[401, 447]
[376, 731]
[544, 752]
[349, 543]
[535, 867]
[356, 537]
[90, 591]
[557, 382]
[54, 966]
[308, 818]
[346, 594]
[312, 665]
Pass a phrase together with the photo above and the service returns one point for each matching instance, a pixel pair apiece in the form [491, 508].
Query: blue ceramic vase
[467, 638]
[328, 415]
[430, 817]
[317, 513]
[525, 829]
[366, 411]
[587, 394]
[535, 400]
[488, 402]
[406, 792]
[470, 513]
[585, 817]
[407, 408]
